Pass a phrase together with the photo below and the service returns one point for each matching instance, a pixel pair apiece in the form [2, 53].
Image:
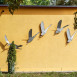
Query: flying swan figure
[69, 36]
[43, 30]
[59, 29]
[31, 37]
[8, 43]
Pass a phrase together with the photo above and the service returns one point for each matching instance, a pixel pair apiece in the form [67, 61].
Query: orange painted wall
[49, 53]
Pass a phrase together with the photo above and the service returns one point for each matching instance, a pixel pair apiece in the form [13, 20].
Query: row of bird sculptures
[43, 32]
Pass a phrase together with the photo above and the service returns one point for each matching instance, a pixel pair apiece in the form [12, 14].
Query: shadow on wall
[41, 10]
[3, 47]
[65, 35]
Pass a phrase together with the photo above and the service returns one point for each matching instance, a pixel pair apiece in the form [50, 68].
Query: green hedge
[11, 59]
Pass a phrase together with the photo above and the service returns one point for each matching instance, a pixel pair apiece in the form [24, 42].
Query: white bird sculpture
[7, 40]
[43, 30]
[31, 37]
[69, 36]
[17, 46]
[59, 29]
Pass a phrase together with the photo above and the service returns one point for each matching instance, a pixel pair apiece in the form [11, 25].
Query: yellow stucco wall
[49, 53]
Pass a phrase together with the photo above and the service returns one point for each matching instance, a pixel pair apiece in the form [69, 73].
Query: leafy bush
[75, 21]
[72, 2]
[60, 2]
[39, 2]
[11, 59]
[13, 4]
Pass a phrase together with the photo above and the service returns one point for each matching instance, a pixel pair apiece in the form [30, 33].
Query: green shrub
[11, 59]
[13, 5]
[60, 2]
[75, 20]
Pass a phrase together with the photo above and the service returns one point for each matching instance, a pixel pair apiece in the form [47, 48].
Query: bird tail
[36, 34]
[48, 27]
[19, 46]
[65, 26]
[74, 34]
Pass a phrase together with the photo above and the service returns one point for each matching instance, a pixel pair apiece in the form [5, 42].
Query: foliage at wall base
[11, 59]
